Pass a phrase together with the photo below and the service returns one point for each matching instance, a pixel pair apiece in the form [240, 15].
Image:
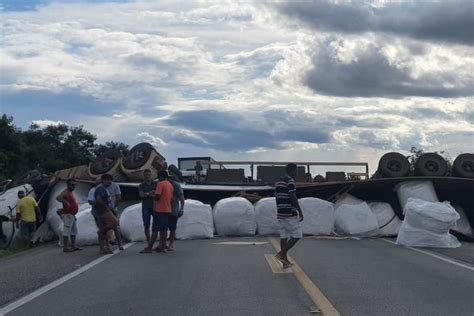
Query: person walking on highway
[177, 210]
[106, 219]
[27, 214]
[289, 214]
[146, 190]
[68, 215]
[162, 210]
[115, 197]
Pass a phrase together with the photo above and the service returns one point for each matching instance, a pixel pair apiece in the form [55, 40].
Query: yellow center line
[313, 291]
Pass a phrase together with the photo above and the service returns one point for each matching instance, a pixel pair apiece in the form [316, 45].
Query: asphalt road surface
[212, 277]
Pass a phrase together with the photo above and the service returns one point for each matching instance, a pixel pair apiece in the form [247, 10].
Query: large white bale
[427, 224]
[356, 220]
[423, 190]
[266, 217]
[463, 226]
[347, 198]
[389, 223]
[437, 217]
[415, 237]
[196, 222]
[234, 216]
[86, 228]
[131, 223]
[318, 216]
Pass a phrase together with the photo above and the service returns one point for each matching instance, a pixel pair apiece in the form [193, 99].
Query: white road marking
[442, 258]
[12, 306]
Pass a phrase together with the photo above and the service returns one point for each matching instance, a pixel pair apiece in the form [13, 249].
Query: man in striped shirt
[289, 214]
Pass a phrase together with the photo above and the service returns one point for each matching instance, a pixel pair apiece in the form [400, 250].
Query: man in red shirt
[68, 215]
[162, 210]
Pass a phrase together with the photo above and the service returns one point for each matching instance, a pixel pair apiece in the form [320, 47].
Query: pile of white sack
[427, 221]
[355, 218]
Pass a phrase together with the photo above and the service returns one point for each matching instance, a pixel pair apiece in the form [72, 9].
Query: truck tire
[138, 156]
[463, 166]
[431, 165]
[393, 165]
[105, 162]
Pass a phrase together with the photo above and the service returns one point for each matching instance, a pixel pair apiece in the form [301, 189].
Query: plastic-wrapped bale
[427, 224]
[196, 222]
[423, 190]
[389, 223]
[234, 216]
[347, 198]
[131, 223]
[463, 226]
[86, 228]
[318, 216]
[356, 220]
[266, 217]
[54, 220]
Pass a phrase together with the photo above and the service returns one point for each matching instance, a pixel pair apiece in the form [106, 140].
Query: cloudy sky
[302, 80]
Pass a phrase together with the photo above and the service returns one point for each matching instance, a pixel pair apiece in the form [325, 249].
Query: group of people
[162, 205]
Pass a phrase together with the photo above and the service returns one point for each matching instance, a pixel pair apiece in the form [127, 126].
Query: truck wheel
[463, 166]
[393, 165]
[431, 165]
[105, 162]
[138, 156]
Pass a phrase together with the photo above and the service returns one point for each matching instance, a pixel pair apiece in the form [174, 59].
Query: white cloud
[46, 123]
[144, 61]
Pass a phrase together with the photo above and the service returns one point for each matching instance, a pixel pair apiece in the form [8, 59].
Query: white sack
[427, 224]
[266, 217]
[131, 223]
[196, 222]
[86, 228]
[423, 190]
[416, 237]
[347, 198]
[389, 223]
[234, 216]
[318, 216]
[356, 220]
[463, 226]
[437, 217]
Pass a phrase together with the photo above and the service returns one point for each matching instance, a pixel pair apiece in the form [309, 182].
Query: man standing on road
[115, 196]
[27, 213]
[289, 214]
[177, 210]
[91, 193]
[106, 220]
[68, 215]
[161, 213]
[146, 190]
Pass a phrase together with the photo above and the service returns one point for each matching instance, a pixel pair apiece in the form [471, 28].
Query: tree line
[47, 149]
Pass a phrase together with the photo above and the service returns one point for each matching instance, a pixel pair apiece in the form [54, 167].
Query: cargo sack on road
[389, 223]
[463, 226]
[347, 198]
[234, 216]
[131, 223]
[427, 224]
[266, 217]
[86, 228]
[356, 220]
[318, 216]
[423, 190]
[196, 222]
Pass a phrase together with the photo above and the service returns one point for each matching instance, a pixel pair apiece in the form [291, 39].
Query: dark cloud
[371, 74]
[232, 131]
[28, 105]
[450, 21]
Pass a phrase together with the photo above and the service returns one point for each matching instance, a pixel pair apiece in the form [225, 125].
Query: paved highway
[215, 277]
